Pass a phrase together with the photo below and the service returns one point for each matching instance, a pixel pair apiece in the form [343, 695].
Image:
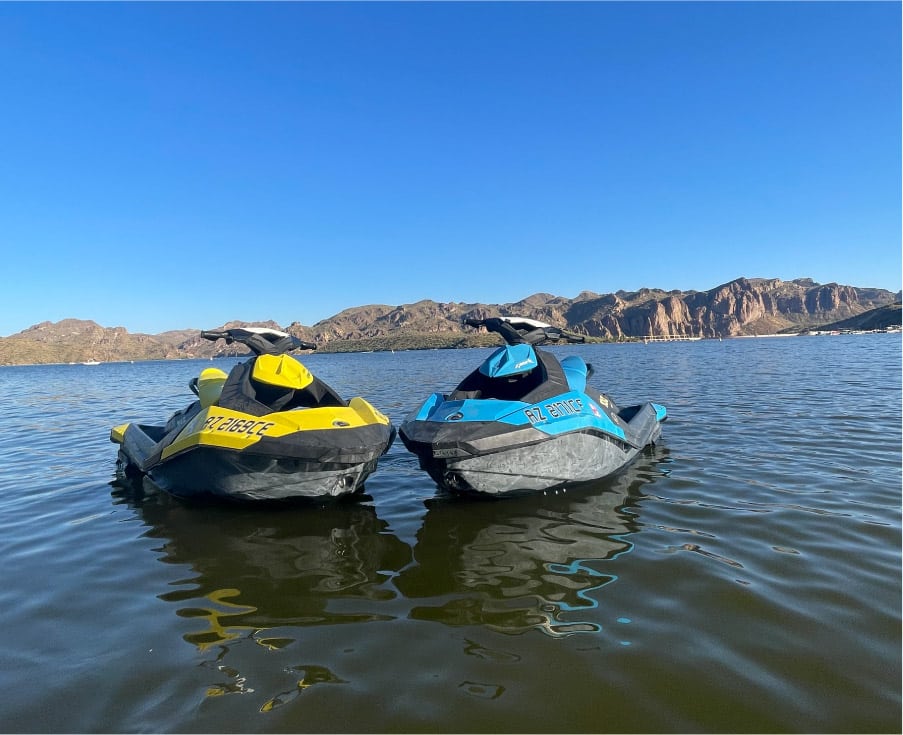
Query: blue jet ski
[526, 421]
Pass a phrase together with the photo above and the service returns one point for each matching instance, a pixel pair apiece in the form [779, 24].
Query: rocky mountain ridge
[753, 306]
[740, 307]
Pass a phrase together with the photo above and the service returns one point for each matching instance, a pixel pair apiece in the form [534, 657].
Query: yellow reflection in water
[217, 615]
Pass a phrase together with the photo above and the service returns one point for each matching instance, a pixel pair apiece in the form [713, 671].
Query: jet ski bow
[267, 430]
[526, 421]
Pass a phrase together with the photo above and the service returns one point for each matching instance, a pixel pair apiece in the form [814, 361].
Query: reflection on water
[531, 562]
[269, 568]
[260, 576]
[257, 574]
[309, 675]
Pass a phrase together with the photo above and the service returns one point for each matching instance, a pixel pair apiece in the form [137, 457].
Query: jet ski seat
[505, 388]
[545, 380]
[314, 395]
[269, 383]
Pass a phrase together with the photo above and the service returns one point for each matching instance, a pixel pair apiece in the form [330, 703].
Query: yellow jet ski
[269, 430]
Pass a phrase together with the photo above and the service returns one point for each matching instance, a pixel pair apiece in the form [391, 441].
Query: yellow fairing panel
[221, 427]
[117, 433]
[282, 370]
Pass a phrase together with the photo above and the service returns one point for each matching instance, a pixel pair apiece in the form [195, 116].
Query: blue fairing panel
[468, 410]
[571, 411]
[428, 406]
[575, 372]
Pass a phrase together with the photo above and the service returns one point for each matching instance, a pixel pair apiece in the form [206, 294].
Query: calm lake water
[743, 576]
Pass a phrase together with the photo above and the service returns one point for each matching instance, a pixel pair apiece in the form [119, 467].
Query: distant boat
[91, 362]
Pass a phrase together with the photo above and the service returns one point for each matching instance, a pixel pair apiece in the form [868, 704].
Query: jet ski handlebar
[261, 340]
[520, 330]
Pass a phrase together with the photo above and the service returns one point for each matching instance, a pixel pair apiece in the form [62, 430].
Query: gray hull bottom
[243, 475]
[254, 478]
[563, 460]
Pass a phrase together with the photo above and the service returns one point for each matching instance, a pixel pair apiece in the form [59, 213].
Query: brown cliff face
[740, 307]
[759, 306]
[831, 298]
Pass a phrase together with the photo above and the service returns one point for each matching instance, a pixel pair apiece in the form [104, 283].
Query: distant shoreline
[327, 351]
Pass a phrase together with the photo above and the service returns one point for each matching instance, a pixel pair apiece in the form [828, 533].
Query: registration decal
[234, 425]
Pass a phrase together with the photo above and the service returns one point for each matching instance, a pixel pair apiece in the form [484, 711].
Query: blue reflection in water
[526, 563]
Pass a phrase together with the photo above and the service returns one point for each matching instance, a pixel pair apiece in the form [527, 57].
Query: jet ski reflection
[264, 574]
[532, 562]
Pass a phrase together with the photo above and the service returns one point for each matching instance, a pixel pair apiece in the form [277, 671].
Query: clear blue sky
[177, 165]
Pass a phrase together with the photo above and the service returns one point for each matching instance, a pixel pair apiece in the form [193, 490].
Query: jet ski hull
[262, 459]
[246, 476]
[494, 458]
